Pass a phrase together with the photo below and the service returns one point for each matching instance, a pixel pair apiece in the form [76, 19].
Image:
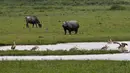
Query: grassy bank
[60, 66]
[56, 52]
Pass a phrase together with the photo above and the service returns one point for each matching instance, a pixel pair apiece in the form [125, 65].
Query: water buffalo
[32, 20]
[70, 26]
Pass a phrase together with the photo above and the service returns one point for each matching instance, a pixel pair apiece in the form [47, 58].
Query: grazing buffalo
[70, 26]
[32, 20]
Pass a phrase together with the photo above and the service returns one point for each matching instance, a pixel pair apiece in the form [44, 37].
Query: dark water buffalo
[32, 20]
[70, 26]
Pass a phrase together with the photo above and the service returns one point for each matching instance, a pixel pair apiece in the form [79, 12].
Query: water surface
[122, 56]
[67, 46]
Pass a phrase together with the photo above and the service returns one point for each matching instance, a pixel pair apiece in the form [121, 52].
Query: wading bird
[122, 46]
[104, 47]
[34, 48]
[13, 46]
[110, 41]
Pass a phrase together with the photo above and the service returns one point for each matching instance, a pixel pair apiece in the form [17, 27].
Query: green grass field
[60, 66]
[99, 25]
[97, 22]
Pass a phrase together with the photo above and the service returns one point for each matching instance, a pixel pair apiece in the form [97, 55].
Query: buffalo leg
[76, 31]
[65, 31]
[69, 32]
[33, 25]
[36, 25]
[27, 25]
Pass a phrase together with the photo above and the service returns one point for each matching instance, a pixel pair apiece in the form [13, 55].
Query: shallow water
[122, 56]
[67, 46]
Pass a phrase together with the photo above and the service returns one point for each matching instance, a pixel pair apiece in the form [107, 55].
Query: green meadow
[60, 66]
[97, 21]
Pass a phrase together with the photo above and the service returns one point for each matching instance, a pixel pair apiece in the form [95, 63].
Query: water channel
[67, 46]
